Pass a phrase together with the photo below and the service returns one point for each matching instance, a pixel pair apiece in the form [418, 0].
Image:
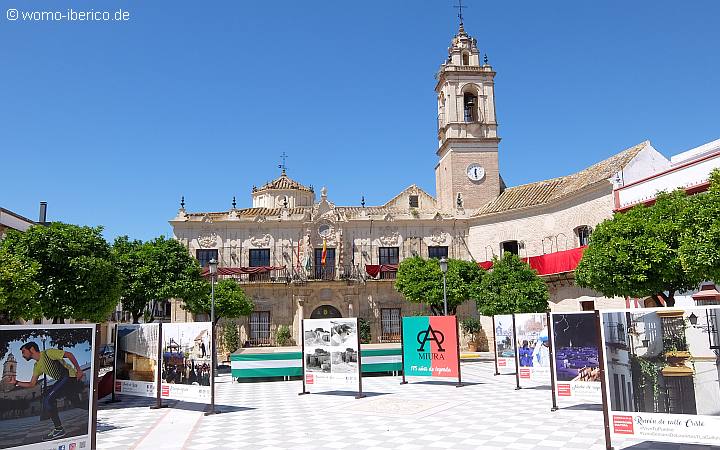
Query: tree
[512, 287]
[700, 242]
[230, 301]
[75, 271]
[157, 270]
[18, 287]
[636, 254]
[421, 281]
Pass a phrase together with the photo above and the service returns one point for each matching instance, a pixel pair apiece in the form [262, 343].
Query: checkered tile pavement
[487, 413]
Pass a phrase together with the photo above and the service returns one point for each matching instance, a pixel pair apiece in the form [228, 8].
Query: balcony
[616, 336]
[326, 273]
[249, 275]
[381, 271]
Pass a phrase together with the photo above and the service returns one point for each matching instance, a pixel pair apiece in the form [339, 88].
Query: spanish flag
[323, 257]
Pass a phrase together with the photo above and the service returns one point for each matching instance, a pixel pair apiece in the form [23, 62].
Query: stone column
[351, 312]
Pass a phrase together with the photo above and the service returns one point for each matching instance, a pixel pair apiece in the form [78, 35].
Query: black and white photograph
[342, 333]
[345, 361]
[318, 361]
[46, 388]
[318, 336]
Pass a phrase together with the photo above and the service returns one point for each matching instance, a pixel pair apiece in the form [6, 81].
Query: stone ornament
[263, 241]
[439, 237]
[390, 237]
[207, 240]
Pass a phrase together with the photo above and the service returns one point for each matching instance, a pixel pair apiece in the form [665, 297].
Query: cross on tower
[283, 166]
[459, 6]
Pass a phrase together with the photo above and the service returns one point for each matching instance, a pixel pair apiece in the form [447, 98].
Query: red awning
[242, 270]
[550, 263]
[374, 269]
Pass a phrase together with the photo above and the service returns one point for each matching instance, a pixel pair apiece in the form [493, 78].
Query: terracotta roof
[252, 212]
[284, 182]
[546, 191]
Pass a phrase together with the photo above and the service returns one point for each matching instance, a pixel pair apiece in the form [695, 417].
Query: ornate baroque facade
[275, 248]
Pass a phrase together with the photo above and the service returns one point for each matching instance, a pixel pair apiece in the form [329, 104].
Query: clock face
[475, 172]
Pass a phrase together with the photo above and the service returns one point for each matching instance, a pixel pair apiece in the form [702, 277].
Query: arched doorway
[325, 312]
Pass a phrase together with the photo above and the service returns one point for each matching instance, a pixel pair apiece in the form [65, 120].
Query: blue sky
[111, 122]
[24, 368]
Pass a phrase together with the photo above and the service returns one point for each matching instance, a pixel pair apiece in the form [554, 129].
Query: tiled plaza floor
[487, 413]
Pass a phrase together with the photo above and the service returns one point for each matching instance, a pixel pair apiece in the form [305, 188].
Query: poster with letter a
[330, 353]
[46, 390]
[575, 348]
[533, 349]
[136, 359]
[186, 361]
[504, 347]
[661, 373]
[430, 346]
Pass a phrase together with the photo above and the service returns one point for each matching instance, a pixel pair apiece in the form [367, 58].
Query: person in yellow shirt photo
[51, 363]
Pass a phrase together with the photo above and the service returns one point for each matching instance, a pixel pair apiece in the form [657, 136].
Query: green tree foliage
[421, 281]
[636, 253]
[230, 301]
[511, 287]
[158, 270]
[18, 287]
[75, 271]
[700, 241]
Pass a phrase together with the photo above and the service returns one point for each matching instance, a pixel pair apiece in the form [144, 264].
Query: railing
[269, 276]
[327, 273]
[390, 275]
[616, 334]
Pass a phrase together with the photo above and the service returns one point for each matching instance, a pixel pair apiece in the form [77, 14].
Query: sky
[111, 122]
[24, 368]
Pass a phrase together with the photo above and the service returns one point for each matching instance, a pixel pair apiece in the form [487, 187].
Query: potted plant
[471, 327]
[283, 337]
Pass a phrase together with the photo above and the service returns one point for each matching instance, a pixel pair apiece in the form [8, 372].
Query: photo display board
[46, 391]
[504, 347]
[575, 348]
[136, 359]
[533, 352]
[330, 348]
[186, 361]
[430, 346]
[661, 373]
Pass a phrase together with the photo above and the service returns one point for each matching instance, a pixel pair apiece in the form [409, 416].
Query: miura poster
[430, 346]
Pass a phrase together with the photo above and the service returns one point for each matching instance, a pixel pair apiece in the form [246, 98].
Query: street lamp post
[443, 269]
[212, 265]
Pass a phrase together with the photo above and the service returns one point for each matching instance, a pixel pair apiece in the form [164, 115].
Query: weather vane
[459, 6]
[283, 166]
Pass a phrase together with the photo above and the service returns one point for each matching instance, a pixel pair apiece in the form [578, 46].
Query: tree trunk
[136, 317]
[669, 299]
[58, 320]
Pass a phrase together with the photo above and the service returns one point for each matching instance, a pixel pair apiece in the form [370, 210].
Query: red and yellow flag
[323, 257]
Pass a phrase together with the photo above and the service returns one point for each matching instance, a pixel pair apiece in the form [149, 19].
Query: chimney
[43, 213]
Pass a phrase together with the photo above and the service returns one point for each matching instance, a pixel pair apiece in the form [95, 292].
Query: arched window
[470, 107]
[583, 233]
[465, 59]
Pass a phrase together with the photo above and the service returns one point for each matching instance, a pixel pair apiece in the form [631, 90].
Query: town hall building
[275, 248]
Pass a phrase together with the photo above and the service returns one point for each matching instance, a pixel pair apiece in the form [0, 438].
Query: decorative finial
[362, 201]
[283, 166]
[233, 203]
[460, 7]
[459, 201]
[323, 192]
[485, 59]
[182, 202]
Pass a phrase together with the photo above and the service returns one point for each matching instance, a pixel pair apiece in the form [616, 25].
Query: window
[326, 272]
[438, 252]
[390, 324]
[260, 328]
[205, 255]
[162, 310]
[389, 255]
[470, 107]
[583, 234]
[673, 332]
[414, 202]
[259, 257]
[510, 246]
[465, 59]
[587, 305]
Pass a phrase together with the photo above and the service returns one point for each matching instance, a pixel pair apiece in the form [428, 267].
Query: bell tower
[467, 175]
[9, 368]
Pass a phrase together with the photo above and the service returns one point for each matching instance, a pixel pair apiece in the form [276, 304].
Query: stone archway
[325, 312]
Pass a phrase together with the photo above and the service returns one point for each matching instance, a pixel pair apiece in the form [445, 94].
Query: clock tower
[467, 174]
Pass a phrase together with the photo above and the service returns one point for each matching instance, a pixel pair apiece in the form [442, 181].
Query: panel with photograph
[576, 347]
[137, 359]
[46, 390]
